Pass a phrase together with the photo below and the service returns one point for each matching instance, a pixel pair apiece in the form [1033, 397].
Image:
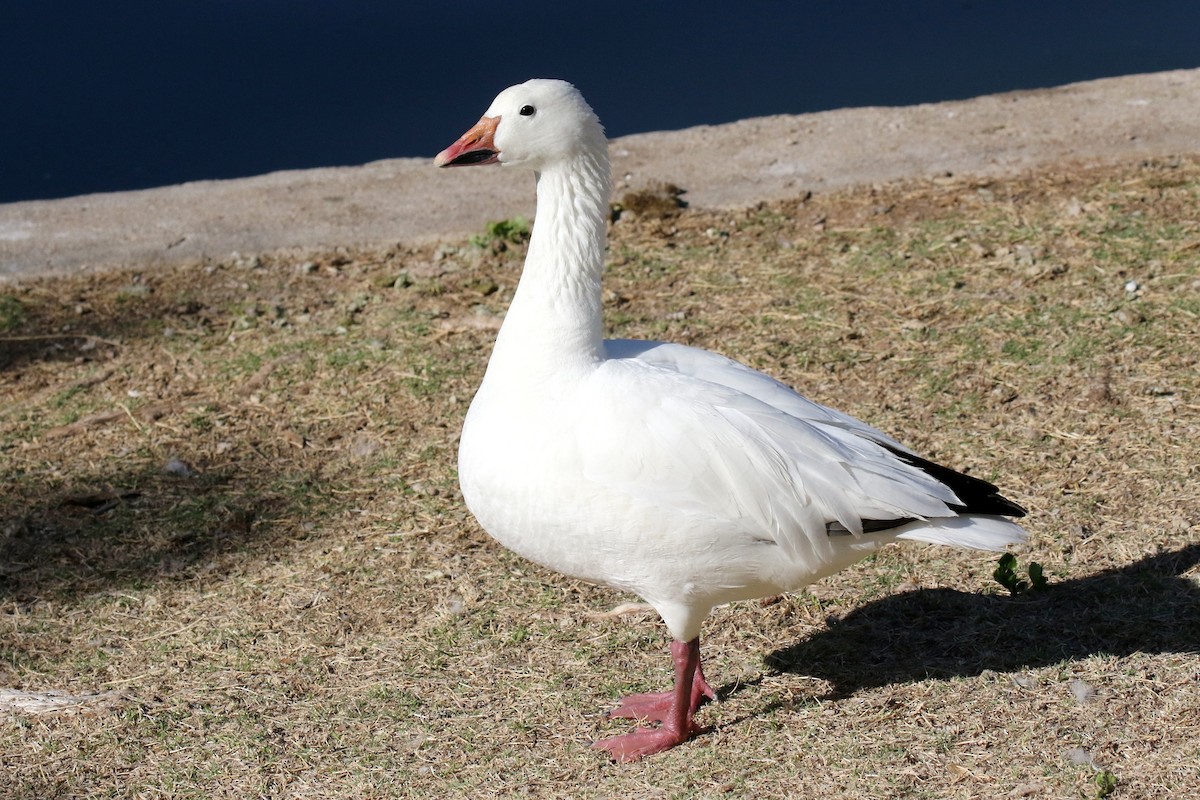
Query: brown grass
[228, 512]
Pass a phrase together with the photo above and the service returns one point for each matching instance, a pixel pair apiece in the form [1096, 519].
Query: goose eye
[527, 111]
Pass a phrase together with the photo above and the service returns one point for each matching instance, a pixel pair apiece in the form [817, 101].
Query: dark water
[101, 95]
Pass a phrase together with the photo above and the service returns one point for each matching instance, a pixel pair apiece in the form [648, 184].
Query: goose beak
[476, 146]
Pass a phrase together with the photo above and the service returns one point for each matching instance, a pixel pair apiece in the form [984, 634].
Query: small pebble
[1024, 681]
[363, 446]
[1077, 755]
[1084, 692]
[178, 468]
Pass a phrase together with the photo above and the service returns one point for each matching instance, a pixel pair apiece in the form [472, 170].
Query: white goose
[660, 469]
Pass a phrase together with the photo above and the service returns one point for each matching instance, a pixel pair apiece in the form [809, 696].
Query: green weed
[1007, 575]
[510, 231]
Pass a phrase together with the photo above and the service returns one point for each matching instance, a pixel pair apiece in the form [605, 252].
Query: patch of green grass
[1023, 349]
[244, 363]
[201, 420]
[1106, 784]
[65, 396]
[12, 313]
[510, 231]
[354, 356]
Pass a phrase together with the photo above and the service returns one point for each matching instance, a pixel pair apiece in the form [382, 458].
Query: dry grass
[228, 510]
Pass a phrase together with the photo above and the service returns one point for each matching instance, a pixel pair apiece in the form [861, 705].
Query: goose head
[538, 124]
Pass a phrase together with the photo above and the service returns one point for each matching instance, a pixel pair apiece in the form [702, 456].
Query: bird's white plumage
[664, 470]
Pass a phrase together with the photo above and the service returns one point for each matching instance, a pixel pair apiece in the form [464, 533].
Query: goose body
[660, 469]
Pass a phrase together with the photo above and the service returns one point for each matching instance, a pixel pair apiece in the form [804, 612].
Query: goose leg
[673, 709]
[655, 706]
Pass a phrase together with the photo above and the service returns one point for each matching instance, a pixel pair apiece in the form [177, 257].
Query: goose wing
[707, 449]
[715, 368]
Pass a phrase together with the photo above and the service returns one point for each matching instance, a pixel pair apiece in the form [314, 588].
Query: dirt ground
[234, 561]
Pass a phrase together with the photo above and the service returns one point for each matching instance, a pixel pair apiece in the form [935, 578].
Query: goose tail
[971, 531]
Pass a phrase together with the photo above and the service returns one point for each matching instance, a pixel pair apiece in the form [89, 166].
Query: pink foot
[673, 709]
[643, 742]
[652, 706]
[655, 706]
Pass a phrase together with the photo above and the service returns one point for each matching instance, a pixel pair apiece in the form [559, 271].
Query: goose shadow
[1149, 606]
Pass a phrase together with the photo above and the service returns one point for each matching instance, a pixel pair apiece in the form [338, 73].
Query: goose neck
[557, 307]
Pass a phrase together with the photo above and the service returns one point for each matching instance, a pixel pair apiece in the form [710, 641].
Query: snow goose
[660, 469]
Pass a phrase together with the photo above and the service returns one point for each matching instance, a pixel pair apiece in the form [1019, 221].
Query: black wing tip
[1011, 509]
[977, 495]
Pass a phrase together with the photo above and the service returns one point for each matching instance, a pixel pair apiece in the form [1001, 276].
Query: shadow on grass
[1145, 607]
[42, 323]
[129, 530]
[83, 519]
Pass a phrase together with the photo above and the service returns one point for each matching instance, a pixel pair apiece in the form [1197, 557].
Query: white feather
[664, 470]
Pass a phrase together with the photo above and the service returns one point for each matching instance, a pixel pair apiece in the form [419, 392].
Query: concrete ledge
[407, 200]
